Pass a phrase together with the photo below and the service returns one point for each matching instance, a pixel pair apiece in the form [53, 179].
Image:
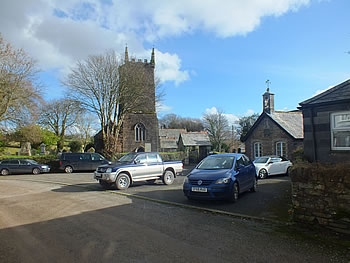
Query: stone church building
[139, 130]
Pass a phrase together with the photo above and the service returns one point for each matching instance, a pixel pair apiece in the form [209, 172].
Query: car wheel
[122, 182]
[36, 170]
[262, 174]
[151, 181]
[288, 171]
[255, 185]
[4, 172]
[234, 193]
[68, 169]
[168, 177]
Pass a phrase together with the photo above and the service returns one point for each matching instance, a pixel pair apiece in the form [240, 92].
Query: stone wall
[321, 194]
[150, 123]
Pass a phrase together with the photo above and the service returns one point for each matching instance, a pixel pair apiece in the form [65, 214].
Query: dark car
[70, 162]
[22, 166]
[221, 177]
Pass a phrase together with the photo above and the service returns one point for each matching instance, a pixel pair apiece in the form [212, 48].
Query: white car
[271, 165]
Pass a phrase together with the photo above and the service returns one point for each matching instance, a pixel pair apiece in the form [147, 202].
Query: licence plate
[199, 189]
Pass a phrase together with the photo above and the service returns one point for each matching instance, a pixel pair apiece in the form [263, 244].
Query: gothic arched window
[140, 132]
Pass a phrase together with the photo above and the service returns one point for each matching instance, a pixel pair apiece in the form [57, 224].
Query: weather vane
[268, 82]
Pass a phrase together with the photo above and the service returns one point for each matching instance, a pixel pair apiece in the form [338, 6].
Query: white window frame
[257, 149]
[340, 125]
[281, 148]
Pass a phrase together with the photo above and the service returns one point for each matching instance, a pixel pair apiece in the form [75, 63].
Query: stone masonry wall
[321, 194]
[268, 133]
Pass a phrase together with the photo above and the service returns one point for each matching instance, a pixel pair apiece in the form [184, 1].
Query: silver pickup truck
[136, 167]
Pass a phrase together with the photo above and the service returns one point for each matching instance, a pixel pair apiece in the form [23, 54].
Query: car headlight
[109, 170]
[186, 181]
[223, 181]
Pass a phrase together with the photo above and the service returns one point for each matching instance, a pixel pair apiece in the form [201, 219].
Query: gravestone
[26, 149]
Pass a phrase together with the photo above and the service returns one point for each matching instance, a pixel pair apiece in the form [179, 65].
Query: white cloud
[168, 67]
[249, 112]
[162, 108]
[59, 32]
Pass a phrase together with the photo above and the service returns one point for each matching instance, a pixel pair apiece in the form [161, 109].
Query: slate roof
[169, 138]
[168, 144]
[195, 139]
[291, 122]
[338, 93]
[170, 133]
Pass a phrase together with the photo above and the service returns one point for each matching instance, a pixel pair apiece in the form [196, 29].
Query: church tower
[140, 130]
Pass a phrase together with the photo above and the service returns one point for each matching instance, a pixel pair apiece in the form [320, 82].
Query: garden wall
[321, 194]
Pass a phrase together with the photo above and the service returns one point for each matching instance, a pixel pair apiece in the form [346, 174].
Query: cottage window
[340, 130]
[140, 132]
[257, 149]
[281, 149]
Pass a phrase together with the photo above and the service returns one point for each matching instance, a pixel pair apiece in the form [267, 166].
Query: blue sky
[210, 55]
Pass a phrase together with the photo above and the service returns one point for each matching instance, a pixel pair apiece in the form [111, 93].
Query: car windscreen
[216, 163]
[261, 160]
[127, 158]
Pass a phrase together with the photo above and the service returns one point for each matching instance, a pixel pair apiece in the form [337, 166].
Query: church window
[140, 132]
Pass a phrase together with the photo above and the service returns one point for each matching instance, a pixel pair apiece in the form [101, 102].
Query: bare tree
[173, 121]
[19, 91]
[59, 116]
[110, 90]
[86, 126]
[216, 124]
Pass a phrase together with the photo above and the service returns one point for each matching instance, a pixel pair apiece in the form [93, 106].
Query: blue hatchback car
[221, 177]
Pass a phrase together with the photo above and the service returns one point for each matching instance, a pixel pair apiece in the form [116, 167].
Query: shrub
[75, 146]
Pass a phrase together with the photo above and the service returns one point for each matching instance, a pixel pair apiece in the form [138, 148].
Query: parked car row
[216, 177]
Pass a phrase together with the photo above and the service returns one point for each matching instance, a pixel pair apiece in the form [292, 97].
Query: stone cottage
[274, 132]
[196, 146]
[169, 139]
